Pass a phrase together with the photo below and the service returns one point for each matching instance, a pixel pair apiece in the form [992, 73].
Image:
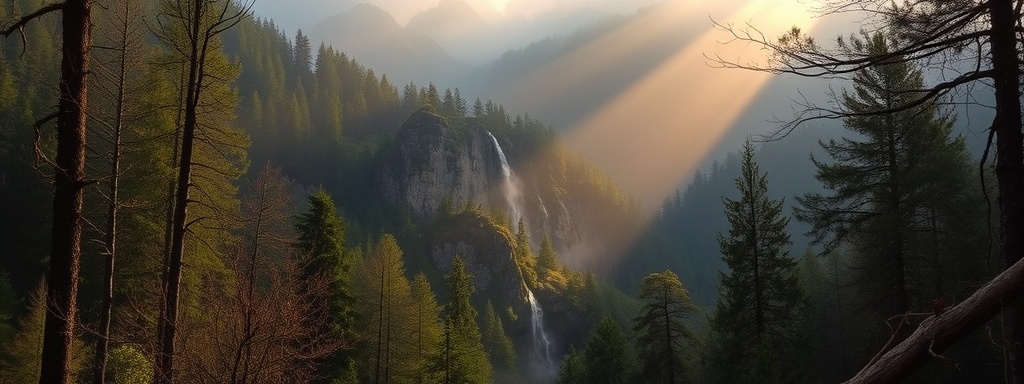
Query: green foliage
[462, 358]
[20, 358]
[664, 343]
[547, 260]
[524, 254]
[758, 310]
[384, 302]
[498, 345]
[571, 371]
[427, 332]
[128, 365]
[891, 187]
[321, 241]
[607, 357]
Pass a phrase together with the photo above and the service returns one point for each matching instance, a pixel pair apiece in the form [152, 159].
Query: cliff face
[486, 249]
[432, 163]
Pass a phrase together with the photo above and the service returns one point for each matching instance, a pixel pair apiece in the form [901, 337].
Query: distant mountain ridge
[372, 36]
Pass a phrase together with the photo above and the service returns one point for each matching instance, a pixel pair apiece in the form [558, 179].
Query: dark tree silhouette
[69, 184]
[940, 32]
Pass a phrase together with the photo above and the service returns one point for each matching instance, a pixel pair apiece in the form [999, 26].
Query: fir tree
[498, 345]
[385, 303]
[462, 358]
[663, 339]
[607, 358]
[894, 187]
[757, 311]
[322, 241]
[571, 371]
[427, 332]
[547, 260]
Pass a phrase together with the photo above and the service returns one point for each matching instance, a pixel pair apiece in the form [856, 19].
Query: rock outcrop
[486, 249]
[432, 163]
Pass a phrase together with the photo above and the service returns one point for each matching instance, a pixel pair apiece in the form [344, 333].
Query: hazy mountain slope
[373, 37]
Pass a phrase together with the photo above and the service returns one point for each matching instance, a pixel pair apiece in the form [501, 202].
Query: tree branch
[940, 331]
[25, 19]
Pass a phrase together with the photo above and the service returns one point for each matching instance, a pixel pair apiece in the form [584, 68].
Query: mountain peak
[447, 16]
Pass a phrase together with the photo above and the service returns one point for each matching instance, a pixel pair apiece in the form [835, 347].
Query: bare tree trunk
[69, 185]
[943, 329]
[1002, 293]
[1009, 167]
[110, 240]
[164, 370]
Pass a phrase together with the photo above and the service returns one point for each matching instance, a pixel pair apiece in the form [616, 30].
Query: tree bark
[164, 369]
[1009, 166]
[69, 184]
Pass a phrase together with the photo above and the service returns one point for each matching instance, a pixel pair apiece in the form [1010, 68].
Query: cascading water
[513, 196]
[509, 187]
[540, 338]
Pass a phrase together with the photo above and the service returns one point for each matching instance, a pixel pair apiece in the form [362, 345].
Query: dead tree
[123, 41]
[197, 23]
[69, 184]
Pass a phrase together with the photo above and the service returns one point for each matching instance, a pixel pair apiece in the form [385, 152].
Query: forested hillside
[287, 205]
[258, 207]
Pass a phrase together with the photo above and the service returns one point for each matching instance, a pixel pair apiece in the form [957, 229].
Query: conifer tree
[116, 84]
[498, 345]
[385, 303]
[547, 260]
[524, 254]
[19, 359]
[663, 340]
[202, 195]
[607, 358]
[462, 358]
[571, 371]
[757, 312]
[69, 181]
[427, 332]
[891, 187]
[321, 240]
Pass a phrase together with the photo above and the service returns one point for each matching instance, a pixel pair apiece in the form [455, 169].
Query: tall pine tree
[462, 358]
[896, 188]
[756, 322]
[663, 340]
[607, 358]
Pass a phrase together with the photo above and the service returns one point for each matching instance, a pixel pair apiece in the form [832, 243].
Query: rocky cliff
[486, 249]
[432, 163]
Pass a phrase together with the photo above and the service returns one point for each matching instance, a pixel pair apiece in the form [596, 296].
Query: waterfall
[509, 185]
[513, 196]
[540, 337]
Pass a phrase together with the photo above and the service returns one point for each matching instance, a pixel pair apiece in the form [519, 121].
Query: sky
[669, 120]
[293, 14]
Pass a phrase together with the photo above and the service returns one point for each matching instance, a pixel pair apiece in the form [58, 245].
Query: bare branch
[18, 25]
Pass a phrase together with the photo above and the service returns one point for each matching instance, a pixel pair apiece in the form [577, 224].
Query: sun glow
[500, 5]
[653, 134]
[657, 130]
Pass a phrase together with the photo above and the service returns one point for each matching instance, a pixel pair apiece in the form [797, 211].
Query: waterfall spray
[509, 185]
[513, 196]
[540, 338]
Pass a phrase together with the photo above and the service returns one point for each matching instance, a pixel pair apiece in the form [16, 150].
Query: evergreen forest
[190, 194]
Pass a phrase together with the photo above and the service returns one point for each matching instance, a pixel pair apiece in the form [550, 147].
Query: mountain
[439, 165]
[449, 18]
[456, 26]
[373, 37]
